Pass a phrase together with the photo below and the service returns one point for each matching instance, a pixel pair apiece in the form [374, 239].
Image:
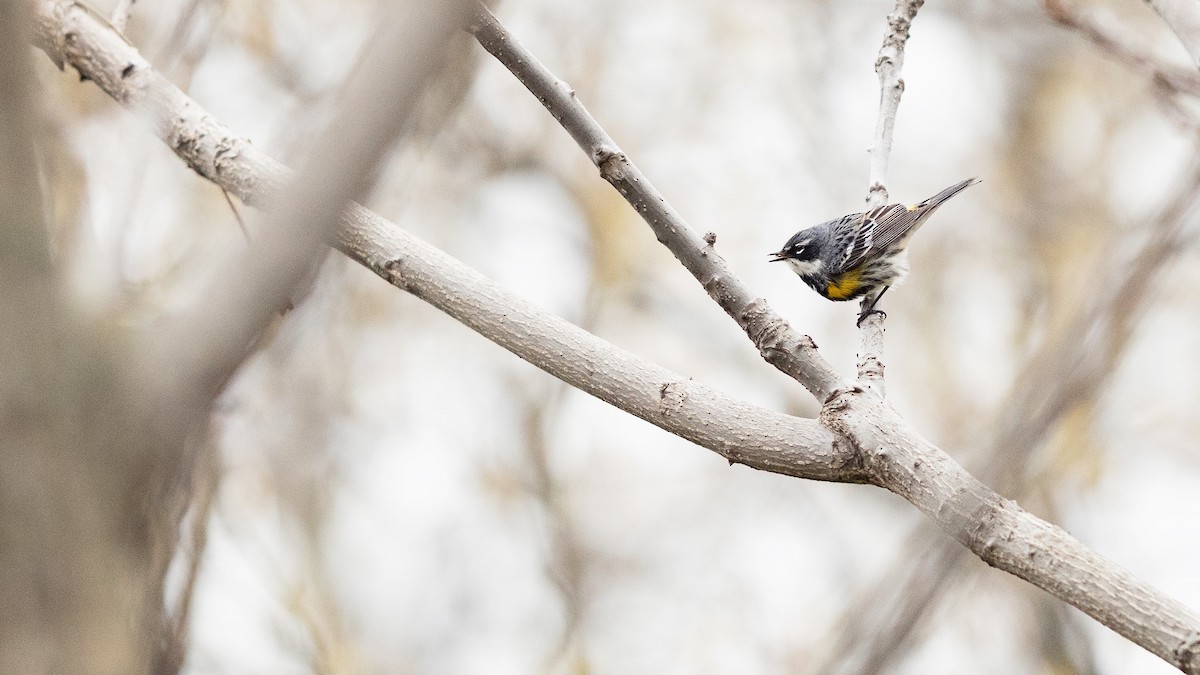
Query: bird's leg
[870, 309]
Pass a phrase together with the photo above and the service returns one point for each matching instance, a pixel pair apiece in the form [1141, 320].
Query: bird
[861, 255]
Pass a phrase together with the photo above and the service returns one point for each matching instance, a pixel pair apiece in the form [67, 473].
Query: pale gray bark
[889, 66]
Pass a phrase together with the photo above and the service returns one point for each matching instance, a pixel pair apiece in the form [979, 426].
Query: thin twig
[888, 66]
[237, 215]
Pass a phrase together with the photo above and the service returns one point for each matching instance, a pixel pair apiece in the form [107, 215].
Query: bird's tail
[941, 197]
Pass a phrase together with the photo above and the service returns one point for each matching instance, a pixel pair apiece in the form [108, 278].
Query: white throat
[805, 267]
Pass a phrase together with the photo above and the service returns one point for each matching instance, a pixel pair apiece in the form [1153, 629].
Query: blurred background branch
[1183, 17]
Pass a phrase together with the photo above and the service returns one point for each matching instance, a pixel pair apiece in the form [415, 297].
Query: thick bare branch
[780, 345]
[997, 530]
[1009, 538]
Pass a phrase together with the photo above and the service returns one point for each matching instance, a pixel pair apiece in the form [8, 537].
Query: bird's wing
[850, 234]
[890, 224]
[877, 230]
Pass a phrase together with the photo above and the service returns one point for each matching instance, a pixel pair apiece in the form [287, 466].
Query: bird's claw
[863, 315]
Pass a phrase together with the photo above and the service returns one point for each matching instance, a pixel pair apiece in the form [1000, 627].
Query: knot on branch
[393, 271]
[769, 331]
[899, 26]
[1187, 654]
[877, 195]
[672, 396]
[610, 161]
[840, 400]
[971, 514]
[843, 413]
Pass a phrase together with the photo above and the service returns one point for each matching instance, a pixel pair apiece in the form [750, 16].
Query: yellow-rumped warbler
[861, 254]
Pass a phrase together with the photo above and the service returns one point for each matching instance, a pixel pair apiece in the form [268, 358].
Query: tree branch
[794, 354]
[864, 428]
[888, 66]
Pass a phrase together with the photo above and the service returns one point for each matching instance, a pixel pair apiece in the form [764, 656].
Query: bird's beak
[776, 257]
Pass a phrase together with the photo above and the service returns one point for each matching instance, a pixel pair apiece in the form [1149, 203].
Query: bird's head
[800, 252]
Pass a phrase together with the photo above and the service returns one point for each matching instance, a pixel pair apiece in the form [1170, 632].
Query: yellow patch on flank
[913, 207]
[844, 286]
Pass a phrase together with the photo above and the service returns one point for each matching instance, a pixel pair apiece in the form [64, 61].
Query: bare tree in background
[105, 449]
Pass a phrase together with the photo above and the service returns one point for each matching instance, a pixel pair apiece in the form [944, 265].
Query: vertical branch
[888, 66]
[891, 87]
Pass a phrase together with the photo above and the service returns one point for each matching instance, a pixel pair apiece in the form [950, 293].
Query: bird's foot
[862, 316]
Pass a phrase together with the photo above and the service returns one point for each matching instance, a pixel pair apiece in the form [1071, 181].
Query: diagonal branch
[794, 354]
